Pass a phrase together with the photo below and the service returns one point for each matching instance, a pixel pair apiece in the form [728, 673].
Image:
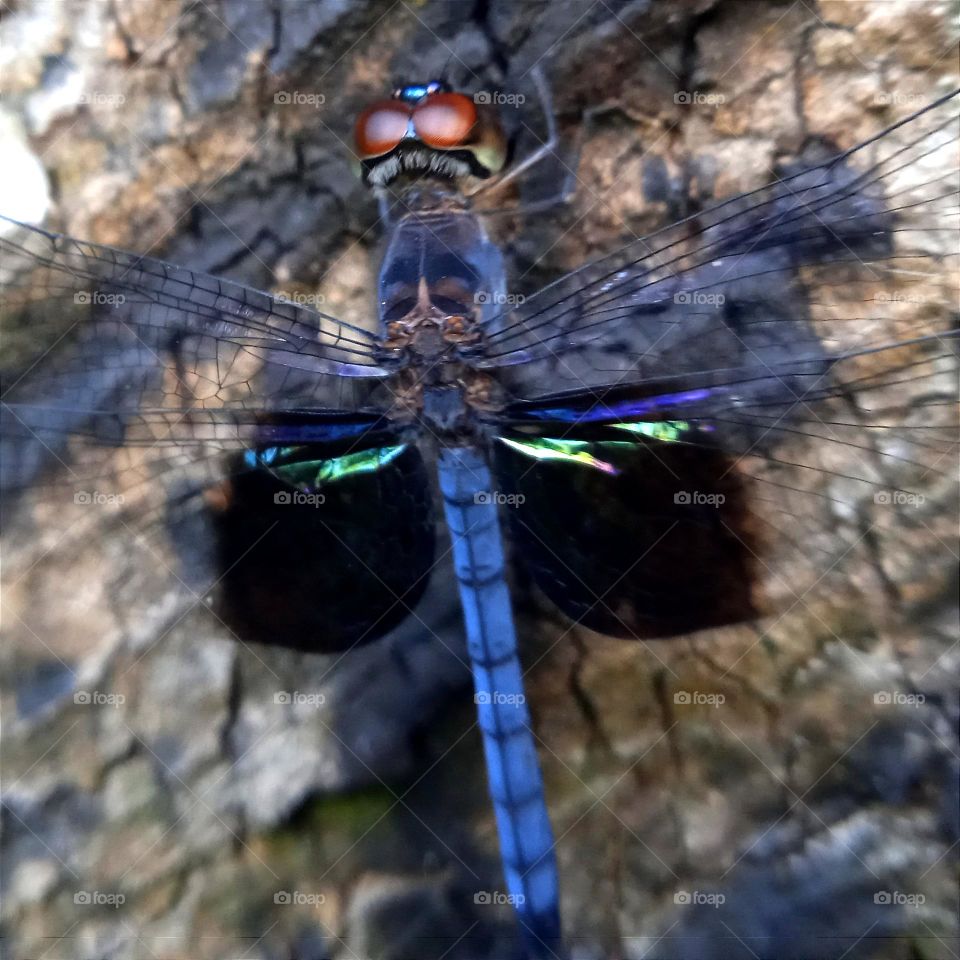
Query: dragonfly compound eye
[380, 128]
[445, 120]
[428, 131]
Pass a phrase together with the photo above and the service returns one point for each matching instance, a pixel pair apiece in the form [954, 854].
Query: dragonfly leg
[553, 137]
[540, 153]
[568, 186]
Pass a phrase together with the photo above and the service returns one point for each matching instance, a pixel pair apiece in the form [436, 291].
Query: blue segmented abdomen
[513, 770]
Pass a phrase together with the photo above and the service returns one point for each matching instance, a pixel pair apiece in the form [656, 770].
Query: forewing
[723, 290]
[107, 348]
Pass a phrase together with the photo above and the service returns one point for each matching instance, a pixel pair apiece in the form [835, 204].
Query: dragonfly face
[428, 131]
[684, 434]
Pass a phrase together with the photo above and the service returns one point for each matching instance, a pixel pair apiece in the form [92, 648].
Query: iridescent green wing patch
[323, 549]
[642, 537]
[299, 466]
[586, 453]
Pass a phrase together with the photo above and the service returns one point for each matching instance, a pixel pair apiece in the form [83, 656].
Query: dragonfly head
[426, 130]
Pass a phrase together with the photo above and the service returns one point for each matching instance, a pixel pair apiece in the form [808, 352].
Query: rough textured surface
[160, 799]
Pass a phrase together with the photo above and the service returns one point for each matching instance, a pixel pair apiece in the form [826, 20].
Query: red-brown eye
[380, 128]
[445, 119]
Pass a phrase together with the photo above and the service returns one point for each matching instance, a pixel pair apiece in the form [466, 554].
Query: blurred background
[168, 793]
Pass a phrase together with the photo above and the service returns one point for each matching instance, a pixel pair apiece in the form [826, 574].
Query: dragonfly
[648, 432]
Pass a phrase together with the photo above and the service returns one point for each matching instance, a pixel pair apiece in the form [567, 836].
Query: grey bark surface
[181, 809]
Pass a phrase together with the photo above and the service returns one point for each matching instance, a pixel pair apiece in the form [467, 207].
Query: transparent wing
[722, 285]
[109, 352]
[801, 342]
